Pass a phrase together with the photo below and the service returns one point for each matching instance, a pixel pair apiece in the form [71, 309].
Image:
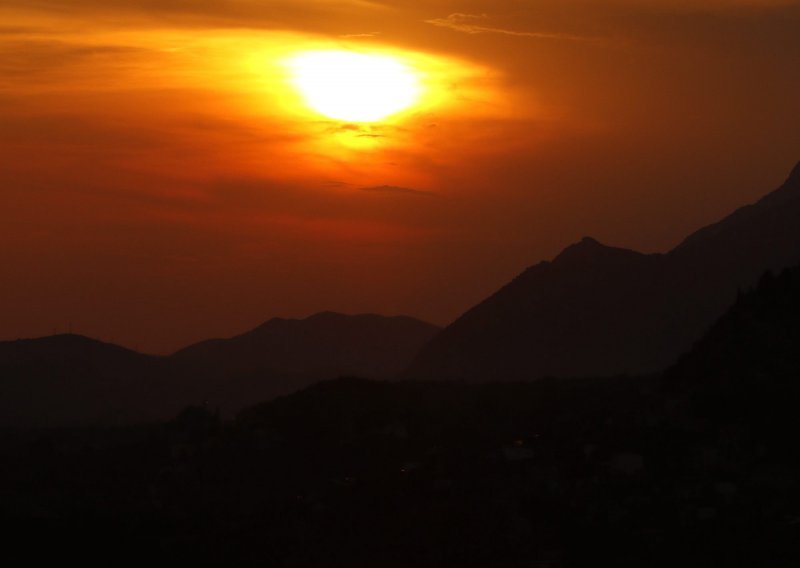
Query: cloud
[715, 5]
[76, 131]
[359, 130]
[361, 35]
[23, 57]
[397, 190]
[20, 30]
[471, 24]
[319, 15]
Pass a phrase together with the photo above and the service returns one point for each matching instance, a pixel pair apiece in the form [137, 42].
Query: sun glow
[355, 87]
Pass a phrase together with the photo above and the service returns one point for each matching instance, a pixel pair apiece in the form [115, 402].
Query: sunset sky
[165, 180]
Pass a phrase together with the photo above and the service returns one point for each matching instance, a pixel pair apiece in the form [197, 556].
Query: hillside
[71, 379]
[597, 310]
[74, 380]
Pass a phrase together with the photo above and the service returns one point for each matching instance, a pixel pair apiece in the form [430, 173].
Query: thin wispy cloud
[397, 190]
[475, 24]
[20, 30]
[361, 35]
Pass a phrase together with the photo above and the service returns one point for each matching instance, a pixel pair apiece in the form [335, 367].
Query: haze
[162, 183]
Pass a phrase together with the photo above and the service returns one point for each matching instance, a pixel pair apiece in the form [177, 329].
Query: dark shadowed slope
[753, 348]
[744, 374]
[597, 310]
[71, 379]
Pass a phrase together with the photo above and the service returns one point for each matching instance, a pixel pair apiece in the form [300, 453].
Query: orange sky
[162, 182]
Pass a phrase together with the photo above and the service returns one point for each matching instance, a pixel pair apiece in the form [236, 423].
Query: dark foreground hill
[746, 369]
[696, 468]
[69, 379]
[597, 310]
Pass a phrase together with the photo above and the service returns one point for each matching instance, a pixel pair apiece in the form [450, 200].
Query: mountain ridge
[597, 310]
[70, 379]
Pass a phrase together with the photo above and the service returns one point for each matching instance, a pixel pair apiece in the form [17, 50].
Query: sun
[354, 87]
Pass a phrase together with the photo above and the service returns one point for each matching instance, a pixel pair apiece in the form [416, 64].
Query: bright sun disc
[354, 87]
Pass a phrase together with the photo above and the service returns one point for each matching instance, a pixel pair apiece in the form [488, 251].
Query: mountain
[742, 376]
[326, 343]
[75, 380]
[598, 310]
[283, 355]
[754, 348]
[698, 467]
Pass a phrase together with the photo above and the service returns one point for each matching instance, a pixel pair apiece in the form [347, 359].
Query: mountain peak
[590, 241]
[589, 248]
[585, 245]
[327, 315]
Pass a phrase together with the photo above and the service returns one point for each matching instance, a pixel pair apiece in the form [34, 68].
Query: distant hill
[597, 310]
[284, 355]
[70, 379]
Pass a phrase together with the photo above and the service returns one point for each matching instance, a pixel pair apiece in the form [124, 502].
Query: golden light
[355, 87]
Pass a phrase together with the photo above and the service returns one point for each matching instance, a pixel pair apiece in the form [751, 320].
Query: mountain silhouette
[75, 380]
[743, 374]
[753, 347]
[597, 310]
[326, 343]
[70, 379]
[284, 355]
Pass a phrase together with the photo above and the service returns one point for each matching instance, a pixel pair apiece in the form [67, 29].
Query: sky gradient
[163, 183]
